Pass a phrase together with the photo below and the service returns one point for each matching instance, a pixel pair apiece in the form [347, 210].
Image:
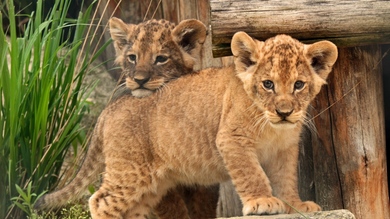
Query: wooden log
[336, 214]
[344, 22]
[352, 136]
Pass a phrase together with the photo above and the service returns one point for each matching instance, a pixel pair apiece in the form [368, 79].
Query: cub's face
[282, 75]
[155, 52]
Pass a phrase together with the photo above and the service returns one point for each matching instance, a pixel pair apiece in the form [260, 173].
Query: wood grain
[352, 135]
[344, 22]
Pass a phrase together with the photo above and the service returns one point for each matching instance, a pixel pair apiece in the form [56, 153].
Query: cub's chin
[140, 93]
[283, 124]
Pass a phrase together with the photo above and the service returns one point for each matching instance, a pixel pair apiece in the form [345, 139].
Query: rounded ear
[120, 31]
[190, 35]
[244, 49]
[322, 56]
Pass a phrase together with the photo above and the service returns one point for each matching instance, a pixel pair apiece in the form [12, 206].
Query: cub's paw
[307, 206]
[271, 205]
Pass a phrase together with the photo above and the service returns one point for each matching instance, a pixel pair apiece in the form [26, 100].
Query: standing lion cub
[241, 123]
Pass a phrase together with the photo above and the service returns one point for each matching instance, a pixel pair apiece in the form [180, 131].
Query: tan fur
[180, 45]
[216, 125]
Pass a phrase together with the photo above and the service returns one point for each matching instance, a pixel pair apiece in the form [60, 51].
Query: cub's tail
[92, 166]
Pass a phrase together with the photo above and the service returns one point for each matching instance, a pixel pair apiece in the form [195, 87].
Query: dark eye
[299, 85]
[132, 58]
[269, 85]
[160, 59]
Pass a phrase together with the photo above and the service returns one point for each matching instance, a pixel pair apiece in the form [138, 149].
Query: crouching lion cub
[241, 122]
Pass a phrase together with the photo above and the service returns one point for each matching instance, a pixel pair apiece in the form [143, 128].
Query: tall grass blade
[42, 101]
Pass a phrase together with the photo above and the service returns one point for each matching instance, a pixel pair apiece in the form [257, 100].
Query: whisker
[263, 124]
[338, 100]
[308, 122]
[164, 89]
[259, 122]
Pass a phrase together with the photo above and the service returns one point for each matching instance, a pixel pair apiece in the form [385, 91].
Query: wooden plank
[344, 22]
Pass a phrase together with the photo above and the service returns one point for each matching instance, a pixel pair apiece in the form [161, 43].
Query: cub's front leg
[249, 178]
[282, 172]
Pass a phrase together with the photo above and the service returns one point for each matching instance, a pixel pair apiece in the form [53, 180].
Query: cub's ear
[190, 35]
[119, 31]
[322, 56]
[244, 49]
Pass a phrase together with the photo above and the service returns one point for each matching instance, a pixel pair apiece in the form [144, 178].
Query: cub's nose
[141, 80]
[283, 114]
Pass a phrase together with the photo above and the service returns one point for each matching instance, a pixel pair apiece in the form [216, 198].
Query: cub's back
[161, 122]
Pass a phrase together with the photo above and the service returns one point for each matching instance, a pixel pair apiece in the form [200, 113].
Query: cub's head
[282, 75]
[156, 51]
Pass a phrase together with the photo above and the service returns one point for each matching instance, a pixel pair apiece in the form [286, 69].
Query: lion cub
[241, 123]
[150, 54]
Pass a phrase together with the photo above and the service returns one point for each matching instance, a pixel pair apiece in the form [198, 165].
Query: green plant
[41, 101]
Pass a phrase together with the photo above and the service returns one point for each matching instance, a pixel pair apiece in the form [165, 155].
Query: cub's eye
[269, 85]
[132, 58]
[299, 85]
[161, 59]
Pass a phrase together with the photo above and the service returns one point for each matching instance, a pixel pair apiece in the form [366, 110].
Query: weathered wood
[327, 182]
[336, 214]
[344, 22]
[352, 135]
[229, 203]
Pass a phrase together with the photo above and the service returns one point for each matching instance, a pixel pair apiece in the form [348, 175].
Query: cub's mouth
[143, 88]
[278, 120]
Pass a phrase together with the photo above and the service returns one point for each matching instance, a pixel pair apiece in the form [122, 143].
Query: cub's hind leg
[108, 203]
[127, 194]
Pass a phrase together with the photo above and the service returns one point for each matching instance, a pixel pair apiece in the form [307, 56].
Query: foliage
[41, 101]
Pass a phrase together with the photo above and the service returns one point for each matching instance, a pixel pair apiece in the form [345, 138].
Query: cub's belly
[204, 167]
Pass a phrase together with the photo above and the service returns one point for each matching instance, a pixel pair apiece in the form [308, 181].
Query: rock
[334, 214]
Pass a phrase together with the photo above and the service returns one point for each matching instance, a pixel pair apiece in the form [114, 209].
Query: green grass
[41, 103]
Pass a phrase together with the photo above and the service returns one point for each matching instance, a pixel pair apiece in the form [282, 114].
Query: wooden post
[345, 161]
[354, 132]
